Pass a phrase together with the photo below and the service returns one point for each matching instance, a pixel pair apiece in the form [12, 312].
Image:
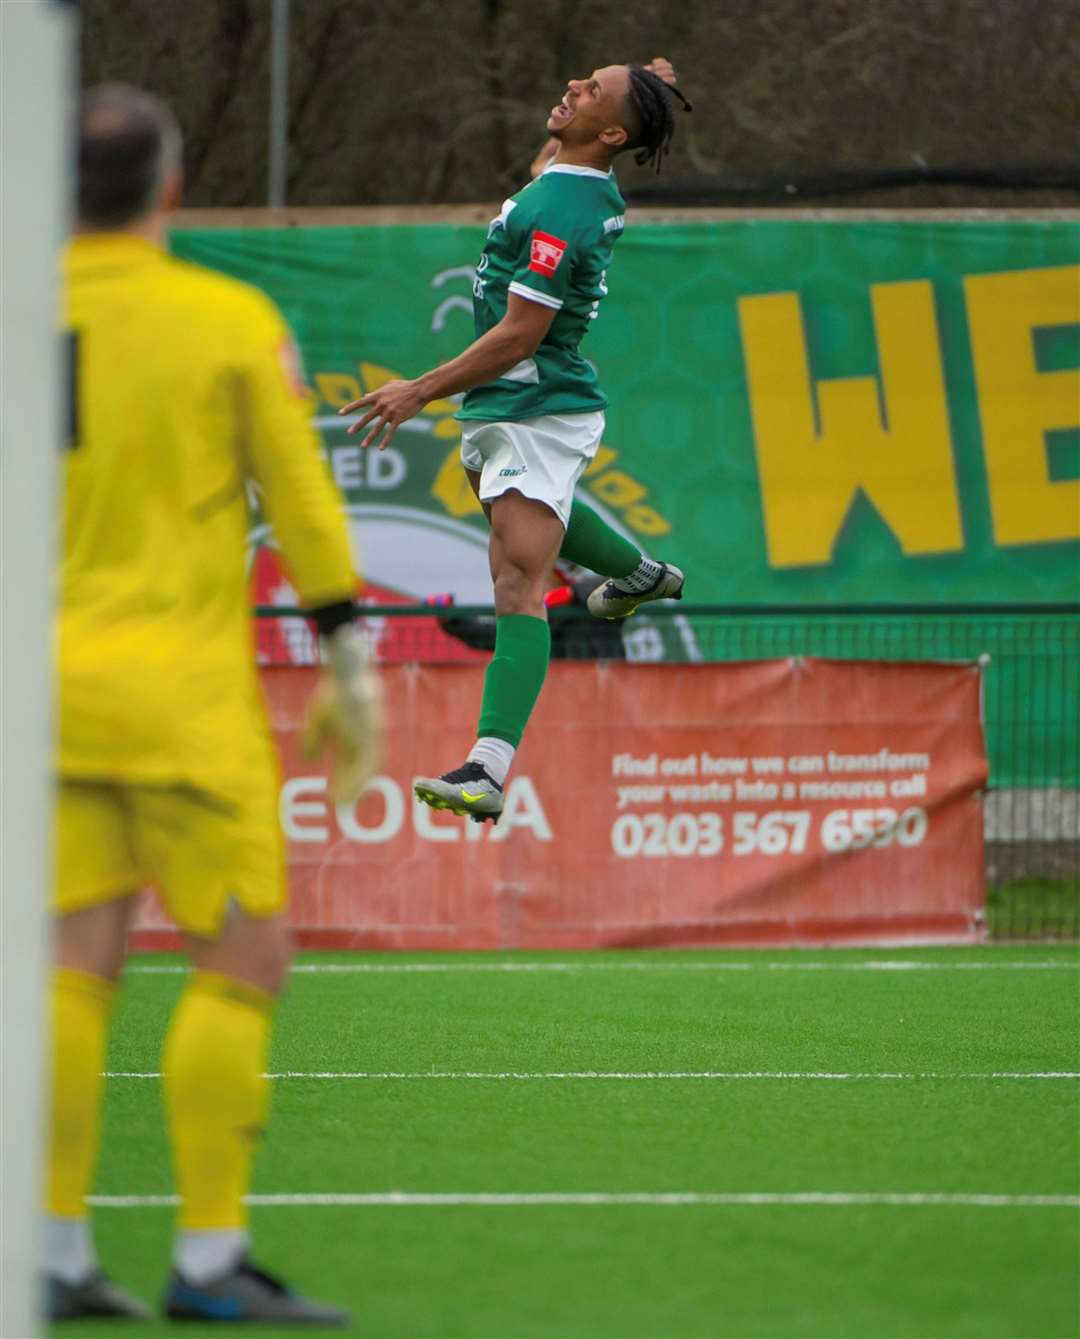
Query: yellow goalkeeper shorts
[201, 852]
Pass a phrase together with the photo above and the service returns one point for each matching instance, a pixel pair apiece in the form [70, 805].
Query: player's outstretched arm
[282, 455]
[305, 509]
[660, 65]
[515, 337]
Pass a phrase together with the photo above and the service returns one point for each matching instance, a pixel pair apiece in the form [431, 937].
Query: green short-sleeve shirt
[551, 244]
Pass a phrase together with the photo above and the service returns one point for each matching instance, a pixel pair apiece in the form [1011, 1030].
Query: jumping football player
[185, 386]
[534, 412]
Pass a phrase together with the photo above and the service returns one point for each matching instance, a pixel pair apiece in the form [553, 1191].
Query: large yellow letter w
[812, 466]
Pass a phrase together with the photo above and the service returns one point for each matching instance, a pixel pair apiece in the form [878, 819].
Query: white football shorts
[542, 458]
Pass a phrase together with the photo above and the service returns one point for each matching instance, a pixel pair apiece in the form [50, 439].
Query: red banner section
[771, 802]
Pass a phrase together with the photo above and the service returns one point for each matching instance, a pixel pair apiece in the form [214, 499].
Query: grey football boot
[95, 1298]
[611, 601]
[468, 790]
[246, 1295]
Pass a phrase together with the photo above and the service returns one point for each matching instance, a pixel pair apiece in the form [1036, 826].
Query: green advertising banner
[801, 411]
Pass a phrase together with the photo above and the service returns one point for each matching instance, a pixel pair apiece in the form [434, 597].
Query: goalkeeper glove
[346, 709]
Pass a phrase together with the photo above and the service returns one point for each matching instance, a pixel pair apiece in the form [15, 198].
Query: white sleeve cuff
[531, 295]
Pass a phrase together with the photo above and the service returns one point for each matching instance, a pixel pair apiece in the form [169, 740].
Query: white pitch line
[407, 1200]
[627, 1075]
[885, 965]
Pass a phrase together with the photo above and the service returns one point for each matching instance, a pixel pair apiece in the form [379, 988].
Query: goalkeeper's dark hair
[128, 141]
[652, 108]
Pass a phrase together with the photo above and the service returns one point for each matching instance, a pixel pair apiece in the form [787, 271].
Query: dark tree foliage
[413, 101]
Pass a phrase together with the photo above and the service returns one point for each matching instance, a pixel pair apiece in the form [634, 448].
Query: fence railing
[1030, 658]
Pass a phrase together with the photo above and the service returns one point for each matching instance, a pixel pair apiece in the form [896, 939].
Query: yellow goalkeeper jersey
[186, 392]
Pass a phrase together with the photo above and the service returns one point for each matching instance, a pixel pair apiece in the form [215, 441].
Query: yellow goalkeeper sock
[81, 1004]
[216, 1096]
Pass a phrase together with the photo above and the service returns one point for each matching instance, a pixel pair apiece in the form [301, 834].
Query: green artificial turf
[631, 1271]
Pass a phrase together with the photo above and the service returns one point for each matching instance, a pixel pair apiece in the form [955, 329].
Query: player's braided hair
[652, 103]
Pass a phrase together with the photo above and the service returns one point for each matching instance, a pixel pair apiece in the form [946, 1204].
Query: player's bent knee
[258, 950]
[518, 591]
[94, 939]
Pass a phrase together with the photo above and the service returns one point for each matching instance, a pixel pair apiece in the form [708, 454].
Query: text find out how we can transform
[887, 773]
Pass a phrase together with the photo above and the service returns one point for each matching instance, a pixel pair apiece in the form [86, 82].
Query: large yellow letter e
[1019, 404]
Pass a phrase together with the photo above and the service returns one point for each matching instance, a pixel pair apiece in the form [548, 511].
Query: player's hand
[387, 408]
[546, 153]
[346, 711]
[663, 69]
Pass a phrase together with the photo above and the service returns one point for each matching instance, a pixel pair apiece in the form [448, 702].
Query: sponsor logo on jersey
[616, 223]
[512, 474]
[546, 253]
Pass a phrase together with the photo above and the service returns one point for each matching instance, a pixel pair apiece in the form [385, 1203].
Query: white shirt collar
[576, 171]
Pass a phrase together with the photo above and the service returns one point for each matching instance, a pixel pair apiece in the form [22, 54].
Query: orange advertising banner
[770, 802]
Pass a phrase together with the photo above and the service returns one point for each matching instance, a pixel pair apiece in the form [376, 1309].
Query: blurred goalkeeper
[186, 387]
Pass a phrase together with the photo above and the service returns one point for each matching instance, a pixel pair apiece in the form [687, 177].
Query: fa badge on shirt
[546, 253]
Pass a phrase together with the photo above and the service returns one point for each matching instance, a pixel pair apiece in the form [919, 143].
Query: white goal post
[36, 100]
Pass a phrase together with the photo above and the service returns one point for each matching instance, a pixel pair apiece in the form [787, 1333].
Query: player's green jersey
[552, 244]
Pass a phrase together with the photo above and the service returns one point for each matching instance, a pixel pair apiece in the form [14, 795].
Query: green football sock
[590, 542]
[515, 676]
